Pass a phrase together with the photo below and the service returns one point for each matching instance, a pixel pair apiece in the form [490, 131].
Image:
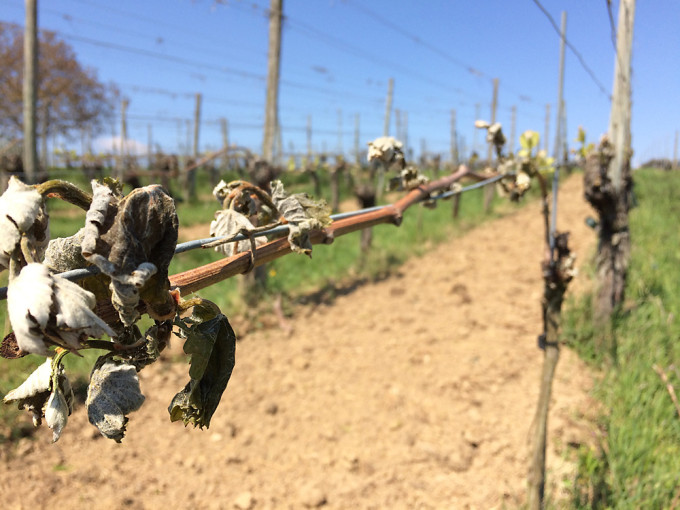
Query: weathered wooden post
[560, 91]
[490, 189]
[273, 67]
[30, 90]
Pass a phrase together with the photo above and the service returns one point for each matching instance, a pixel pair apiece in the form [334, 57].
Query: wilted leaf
[156, 339]
[58, 312]
[303, 215]
[229, 223]
[64, 253]
[113, 394]
[35, 390]
[35, 395]
[132, 240]
[22, 212]
[212, 346]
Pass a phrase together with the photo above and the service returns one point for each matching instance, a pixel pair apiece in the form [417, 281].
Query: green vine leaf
[212, 346]
[528, 140]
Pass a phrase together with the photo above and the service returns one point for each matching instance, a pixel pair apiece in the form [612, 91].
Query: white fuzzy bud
[20, 206]
[56, 413]
[44, 306]
[385, 149]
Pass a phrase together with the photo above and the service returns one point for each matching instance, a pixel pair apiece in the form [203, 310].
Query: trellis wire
[81, 273]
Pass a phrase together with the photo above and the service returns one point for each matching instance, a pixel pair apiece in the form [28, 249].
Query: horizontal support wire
[82, 273]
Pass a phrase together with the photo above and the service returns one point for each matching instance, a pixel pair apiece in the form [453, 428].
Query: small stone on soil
[312, 497]
[244, 501]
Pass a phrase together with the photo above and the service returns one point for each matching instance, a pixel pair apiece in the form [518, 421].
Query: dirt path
[415, 392]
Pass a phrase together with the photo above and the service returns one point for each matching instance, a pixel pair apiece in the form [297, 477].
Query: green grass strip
[638, 462]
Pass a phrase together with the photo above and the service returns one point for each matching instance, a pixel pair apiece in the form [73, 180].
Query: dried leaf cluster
[131, 239]
[247, 210]
[389, 152]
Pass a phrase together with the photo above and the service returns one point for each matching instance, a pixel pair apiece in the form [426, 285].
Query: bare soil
[414, 392]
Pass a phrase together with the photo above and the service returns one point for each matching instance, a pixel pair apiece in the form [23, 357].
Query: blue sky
[338, 56]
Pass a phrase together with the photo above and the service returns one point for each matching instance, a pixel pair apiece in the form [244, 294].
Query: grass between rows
[294, 277]
[637, 461]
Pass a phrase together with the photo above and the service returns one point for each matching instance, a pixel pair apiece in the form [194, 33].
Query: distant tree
[70, 97]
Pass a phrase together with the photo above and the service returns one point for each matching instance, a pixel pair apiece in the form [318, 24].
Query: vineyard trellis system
[129, 242]
[361, 218]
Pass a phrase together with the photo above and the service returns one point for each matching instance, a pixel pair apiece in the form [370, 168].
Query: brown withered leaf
[132, 240]
[9, 349]
[303, 214]
[65, 253]
[229, 223]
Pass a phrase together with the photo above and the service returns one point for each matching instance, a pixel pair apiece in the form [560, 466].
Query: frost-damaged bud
[494, 134]
[132, 240]
[456, 187]
[566, 259]
[386, 149]
[113, 393]
[56, 413]
[409, 178]
[38, 396]
[303, 215]
[522, 182]
[22, 212]
[515, 185]
[47, 309]
[230, 223]
[221, 191]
